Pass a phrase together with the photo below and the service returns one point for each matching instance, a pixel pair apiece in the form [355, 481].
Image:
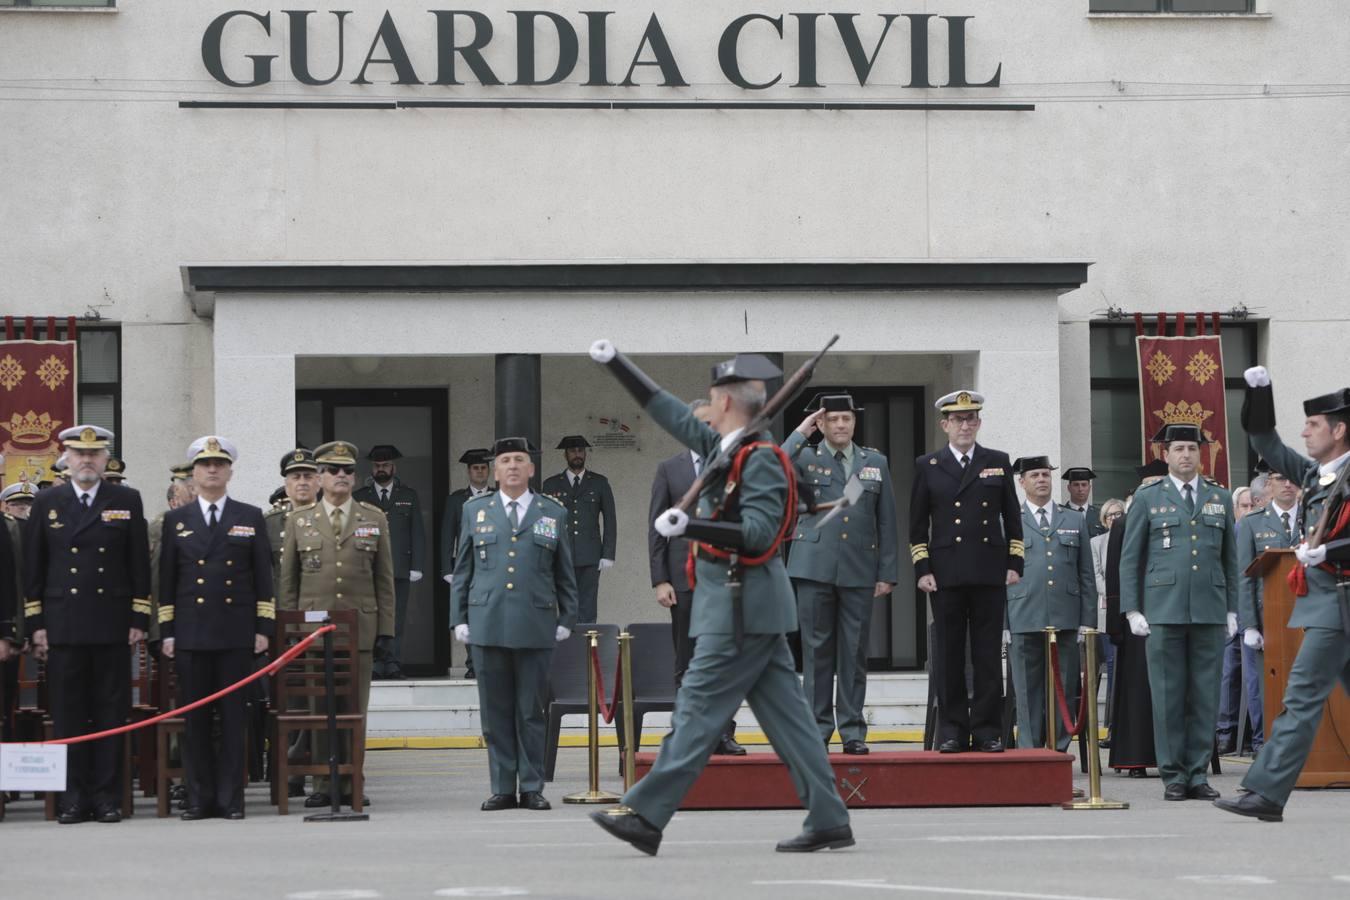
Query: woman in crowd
[1110, 511]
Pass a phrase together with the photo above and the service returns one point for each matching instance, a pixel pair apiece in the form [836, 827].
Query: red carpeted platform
[911, 778]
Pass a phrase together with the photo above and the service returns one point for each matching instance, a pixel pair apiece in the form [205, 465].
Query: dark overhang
[638, 276]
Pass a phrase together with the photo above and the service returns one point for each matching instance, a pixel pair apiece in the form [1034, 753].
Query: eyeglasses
[339, 470]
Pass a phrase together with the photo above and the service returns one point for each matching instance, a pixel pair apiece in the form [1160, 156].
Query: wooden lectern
[1329, 762]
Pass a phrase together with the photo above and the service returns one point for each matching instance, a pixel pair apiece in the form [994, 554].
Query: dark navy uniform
[966, 531]
[87, 584]
[216, 595]
[588, 502]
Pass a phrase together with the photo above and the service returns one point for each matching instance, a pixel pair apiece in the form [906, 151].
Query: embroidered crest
[546, 526]
[870, 473]
[241, 531]
[179, 526]
[117, 515]
[482, 515]
[51, 514]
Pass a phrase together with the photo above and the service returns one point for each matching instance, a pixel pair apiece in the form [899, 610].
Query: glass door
[416, 422]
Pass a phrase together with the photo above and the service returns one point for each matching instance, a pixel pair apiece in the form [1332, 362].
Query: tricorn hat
[476, 456]
[744, 367]
[831, 403]
[1336, 402]
[383, 453]
[513, 445]
[1078, 473]
[1180, 431]
[1153, 469]
[1025, 464]
[573, 442]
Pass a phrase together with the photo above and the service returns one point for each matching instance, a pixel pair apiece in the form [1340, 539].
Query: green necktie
[1189, 498]
[515, 514]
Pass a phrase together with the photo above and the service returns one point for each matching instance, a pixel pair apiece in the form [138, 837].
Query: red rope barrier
[274, 666]
[607, 710]
[1070, 726]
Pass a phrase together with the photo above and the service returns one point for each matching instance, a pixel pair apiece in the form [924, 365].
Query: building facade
[399, 225]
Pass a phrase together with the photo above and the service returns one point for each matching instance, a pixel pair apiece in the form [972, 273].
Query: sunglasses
[339, 470]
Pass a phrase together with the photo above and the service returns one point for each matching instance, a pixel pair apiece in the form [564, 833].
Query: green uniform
[513, 587]
[1324, 657]
[1058, 589]
[1261, 530]
[835, 570]
[324, 570]
[1178, 567]
[760, 669]
[450, 520]
[590, 509]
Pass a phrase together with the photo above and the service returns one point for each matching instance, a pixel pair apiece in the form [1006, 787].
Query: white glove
[1232, 625]
[1138, 624]
[448, 579]
[1252, 638]
[166, 647]
[666, 527]
[1257, 376]
[606, 564]
[562, 633]
[414, 576]
[602, 351]
[1309, 556]
[462, 633]
[1007, 637]
[1082, 633]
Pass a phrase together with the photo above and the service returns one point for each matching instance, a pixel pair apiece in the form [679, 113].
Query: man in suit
[216, 611]
[477, 463]
[1058, 589]
[668, 558]
[743, 608]
[840, 568]
[1178, 588]
[966, 543]
[336, 555]
[513, 598]
[1272, 527]
[399, 504]
[87, 601]
[590, 510]
[1321, 585]
[1078, 485]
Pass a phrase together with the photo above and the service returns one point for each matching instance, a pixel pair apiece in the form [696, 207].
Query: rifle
[722, 461]
[1317, 537]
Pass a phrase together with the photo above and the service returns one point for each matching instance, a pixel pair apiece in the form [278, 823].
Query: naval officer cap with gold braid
[212, 446]
[86, 437]
[960, 401]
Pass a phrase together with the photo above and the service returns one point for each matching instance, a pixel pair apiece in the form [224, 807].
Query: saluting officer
[407, 539]
[838, 570]
[743, 608]
[588, 499]
[1058, 589]
[1078, 483]
[1322, 586]
[1178, 588]
[1273, 526]
[216, 610]
[514, 596]
[336, 556]
[478, 463]
[301, 475]
[966, 543]
[87, 601]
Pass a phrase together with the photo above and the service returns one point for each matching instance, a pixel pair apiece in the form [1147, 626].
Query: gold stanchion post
[630, 748]
[1051, 710]
[1094, 800]
[594, 794]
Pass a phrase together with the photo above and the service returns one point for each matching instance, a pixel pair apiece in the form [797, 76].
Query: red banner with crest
[37, 401]
[1181, 382]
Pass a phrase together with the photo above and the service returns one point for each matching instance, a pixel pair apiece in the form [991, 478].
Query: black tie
[1284, 517]
[965, 460]
[1045, 522]
[84, 499]
[384, 496]
[1189, 498]
[839, 457]
[211, 517]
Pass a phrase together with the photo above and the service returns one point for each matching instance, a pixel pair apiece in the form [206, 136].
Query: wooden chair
[144, 705]
[165, 769]
[299, 702]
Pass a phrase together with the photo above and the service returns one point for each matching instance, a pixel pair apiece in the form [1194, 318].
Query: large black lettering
[447, 49]
[806, 50]
[525, 47]
[299, 30]
[918, 50]
[597, 49]
[655, 38]
[728, 46]
[262, 64]
[956, 56]
[398, 57]
[862, 63]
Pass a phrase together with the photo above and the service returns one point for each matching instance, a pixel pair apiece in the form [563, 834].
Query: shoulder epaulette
[370, 506]
[305, 507]
[554, 500]
[481, 497]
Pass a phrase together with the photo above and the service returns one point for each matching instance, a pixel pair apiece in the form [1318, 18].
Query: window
[100, 372]
[1115, 403]
[1170, 6]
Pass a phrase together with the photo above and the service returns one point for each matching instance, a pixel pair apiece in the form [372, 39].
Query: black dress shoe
[534, 800]
[952, 746]
[1253, 805]
[72, 815]
[810, 841]
[107, 814]
[178, 792]
[233, 815]
[1201, 792]
[194, 814]
[468, 673]
[317, 799]
[727, 746]
[991, 746]
[631, 828]
[856, 748]
[1174, 792]
[295, 787]
[499, 801]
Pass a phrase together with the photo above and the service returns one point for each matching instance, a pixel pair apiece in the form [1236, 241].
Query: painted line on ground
[879, 885]
[931, 839]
